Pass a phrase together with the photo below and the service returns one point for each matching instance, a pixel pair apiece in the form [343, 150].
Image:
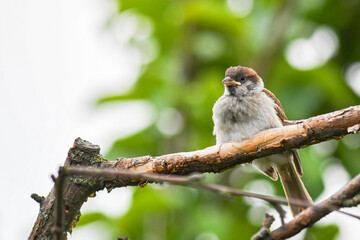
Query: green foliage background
[194, 42]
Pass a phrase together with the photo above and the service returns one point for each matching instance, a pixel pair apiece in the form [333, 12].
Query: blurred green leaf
[193, 43]
[140, 144]
[91, 217]
[322, 233]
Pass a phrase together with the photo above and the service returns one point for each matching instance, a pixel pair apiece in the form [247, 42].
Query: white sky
[56, 59]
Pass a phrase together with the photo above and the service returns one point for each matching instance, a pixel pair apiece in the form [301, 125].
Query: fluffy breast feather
[237, 118]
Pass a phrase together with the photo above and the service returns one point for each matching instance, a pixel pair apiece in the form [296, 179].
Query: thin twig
[349, 214]
[263, 233]
[39, 199]
[189, 181]
[58, 229]
[281, 211]
[176, 180]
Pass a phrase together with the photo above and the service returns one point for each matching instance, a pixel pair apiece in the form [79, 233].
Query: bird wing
[278, 107]
[281, 114]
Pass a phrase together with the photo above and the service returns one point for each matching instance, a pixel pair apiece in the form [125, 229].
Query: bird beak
[230, 82]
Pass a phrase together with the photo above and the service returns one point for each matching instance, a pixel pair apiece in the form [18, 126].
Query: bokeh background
[141, 77]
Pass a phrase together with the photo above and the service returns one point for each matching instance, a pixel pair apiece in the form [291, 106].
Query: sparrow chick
[247, 108]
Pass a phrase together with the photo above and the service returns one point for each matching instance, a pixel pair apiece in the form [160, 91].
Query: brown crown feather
[236, 73]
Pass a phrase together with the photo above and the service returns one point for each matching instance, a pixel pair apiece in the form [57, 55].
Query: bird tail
[294, 189]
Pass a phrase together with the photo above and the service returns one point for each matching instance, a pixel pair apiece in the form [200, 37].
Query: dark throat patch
[232, 90]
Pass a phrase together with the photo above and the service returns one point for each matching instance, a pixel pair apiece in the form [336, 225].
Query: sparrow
[247, 108]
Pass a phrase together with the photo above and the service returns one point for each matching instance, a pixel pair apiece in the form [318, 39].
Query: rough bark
[75, 192]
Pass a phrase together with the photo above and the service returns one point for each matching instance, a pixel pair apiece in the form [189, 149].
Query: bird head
[242, 81]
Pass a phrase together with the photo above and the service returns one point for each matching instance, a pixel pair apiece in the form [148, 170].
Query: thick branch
[333, 125]
[213, 159]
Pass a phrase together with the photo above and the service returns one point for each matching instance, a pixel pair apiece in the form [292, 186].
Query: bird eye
[242, 78]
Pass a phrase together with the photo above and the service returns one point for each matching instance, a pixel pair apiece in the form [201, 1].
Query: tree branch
[320, 210]
[213, 159]
[263, 233]
[324, 127]
[194, 181]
